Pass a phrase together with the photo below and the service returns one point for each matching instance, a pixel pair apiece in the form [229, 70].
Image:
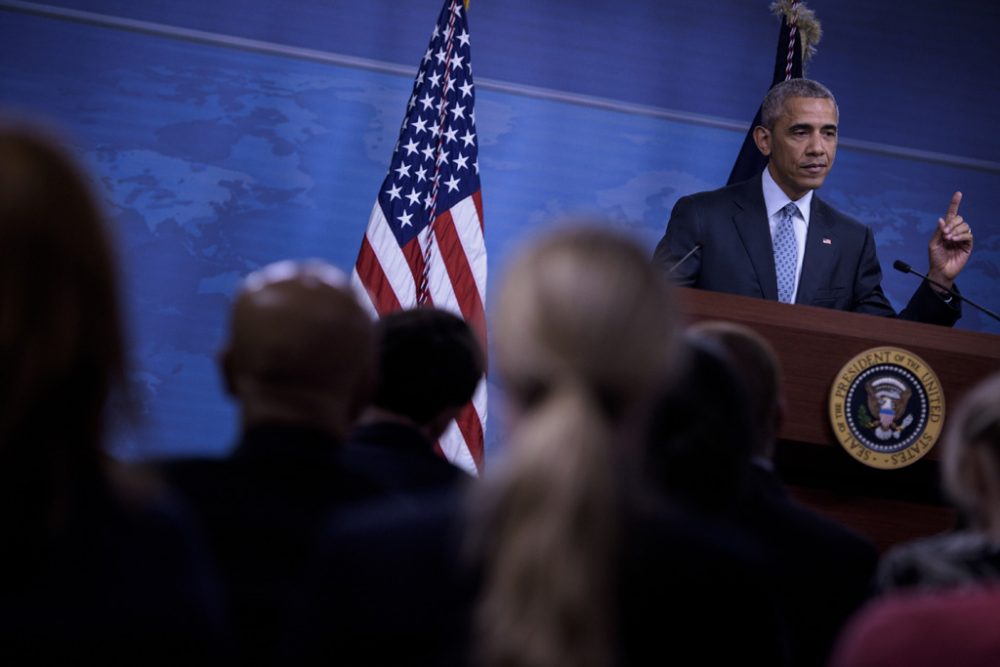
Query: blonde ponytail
[546, 594]
[585, 330]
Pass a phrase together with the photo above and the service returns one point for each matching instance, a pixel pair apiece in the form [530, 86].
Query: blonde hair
[585, 333]
[970, 464]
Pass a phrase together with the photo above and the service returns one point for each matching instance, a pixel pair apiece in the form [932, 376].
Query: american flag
[424, 243]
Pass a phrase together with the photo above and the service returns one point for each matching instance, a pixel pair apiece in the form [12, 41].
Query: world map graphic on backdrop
[214, 161]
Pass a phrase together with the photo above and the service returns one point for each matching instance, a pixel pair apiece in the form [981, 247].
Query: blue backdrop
[225, 135]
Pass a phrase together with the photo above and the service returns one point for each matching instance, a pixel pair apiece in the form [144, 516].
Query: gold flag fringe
[810, 31]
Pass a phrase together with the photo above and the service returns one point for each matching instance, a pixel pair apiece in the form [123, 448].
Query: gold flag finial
[810, 31]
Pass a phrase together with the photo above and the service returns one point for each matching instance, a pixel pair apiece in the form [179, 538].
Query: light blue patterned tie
[785, 253]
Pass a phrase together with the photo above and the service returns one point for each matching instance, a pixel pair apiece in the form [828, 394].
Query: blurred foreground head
[430, 364]
[971, 461]
[756, 364]
[61, 341]
[709, 424]
[300, 349]
[585, 332]
[582, 318]
[699, 444]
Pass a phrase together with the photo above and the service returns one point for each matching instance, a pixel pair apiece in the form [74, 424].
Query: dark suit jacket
[694, 591]
[824, 571]
[262, 510]
[840, 269]
[400, 459]
[120, 580]
[388, 587]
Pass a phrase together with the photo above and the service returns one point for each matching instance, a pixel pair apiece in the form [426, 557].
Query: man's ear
[762, 137]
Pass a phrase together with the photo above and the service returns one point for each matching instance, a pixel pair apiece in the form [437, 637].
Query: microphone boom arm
[903, 267]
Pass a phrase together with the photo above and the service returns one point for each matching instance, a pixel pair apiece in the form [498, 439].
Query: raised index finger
[956, 199]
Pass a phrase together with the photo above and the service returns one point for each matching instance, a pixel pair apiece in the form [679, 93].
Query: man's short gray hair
[774, 101]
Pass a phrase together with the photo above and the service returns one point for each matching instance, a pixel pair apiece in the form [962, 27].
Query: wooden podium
[813, 344]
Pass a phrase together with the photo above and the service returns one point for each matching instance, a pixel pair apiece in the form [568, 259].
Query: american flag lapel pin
[827, 241]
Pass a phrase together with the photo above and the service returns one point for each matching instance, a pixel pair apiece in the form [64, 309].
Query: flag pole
[423, 292]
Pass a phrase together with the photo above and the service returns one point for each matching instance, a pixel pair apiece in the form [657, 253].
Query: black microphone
[697, 246]
[902, 266]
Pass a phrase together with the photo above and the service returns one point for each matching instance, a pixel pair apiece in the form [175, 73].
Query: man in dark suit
[300, 361]
[823, 571]
[751, 242]
[429, 366]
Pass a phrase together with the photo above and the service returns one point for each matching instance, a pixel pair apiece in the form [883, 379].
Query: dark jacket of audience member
[98, 564]
[429, 366]
[388, 587]
[823, 570]
[299, 361]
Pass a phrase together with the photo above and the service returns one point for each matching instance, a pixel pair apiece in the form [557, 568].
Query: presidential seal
[886, 407]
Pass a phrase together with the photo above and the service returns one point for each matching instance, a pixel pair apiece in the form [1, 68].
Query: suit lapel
[820, 253]
[751, 223]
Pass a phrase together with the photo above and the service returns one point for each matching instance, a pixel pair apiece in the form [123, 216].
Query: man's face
[802, 144]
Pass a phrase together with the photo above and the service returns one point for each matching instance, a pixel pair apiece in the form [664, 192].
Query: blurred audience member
[970, 469]
[300, 361]
[429, 366]
[701, 435]
[97, 564]
[387, 587]
[823, 571]
[572, 572]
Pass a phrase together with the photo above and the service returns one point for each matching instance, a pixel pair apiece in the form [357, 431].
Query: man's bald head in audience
[300, 348]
